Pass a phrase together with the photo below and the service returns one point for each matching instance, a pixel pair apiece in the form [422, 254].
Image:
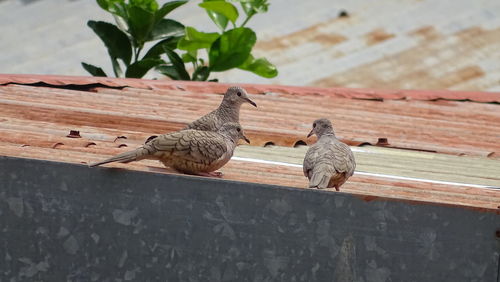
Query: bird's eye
[314, 125]
[238, 129]
[239, 93]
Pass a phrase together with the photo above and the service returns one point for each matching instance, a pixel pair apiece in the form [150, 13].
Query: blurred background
[389, 44]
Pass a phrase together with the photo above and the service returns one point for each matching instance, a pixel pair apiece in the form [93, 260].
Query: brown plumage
[228, 111]
[329, 162]
[188, 151]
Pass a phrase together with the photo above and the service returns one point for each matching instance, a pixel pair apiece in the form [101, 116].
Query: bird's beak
[246, 139]
[310, 133]
[251, 102]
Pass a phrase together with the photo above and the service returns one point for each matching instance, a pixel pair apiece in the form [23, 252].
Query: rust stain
[426, 33]
[370, 198]
[461, 75]
[471, 32]
[314, 33]
[424, 65]
[377, 36]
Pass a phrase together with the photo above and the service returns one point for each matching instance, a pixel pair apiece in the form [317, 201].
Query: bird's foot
[211, 174]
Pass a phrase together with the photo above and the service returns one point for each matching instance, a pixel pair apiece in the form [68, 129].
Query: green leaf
[166, 28]
[167, 8]
[231, 49]
[194, 40]
[260, 67]
[141, 23]
[201, 73]
[177, 63]
[251, 7]
[93, 70]
[158, 48]
[122, 24]
[224, 8]
[219, 19]
[115, 40]
[116, 7]
[188, 58]
[148, 5]
[169, 71]
[140, 68]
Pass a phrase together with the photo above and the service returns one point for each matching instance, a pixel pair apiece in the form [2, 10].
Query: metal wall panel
[63, 222]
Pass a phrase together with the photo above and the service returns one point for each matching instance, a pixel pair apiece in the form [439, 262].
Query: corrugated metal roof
[36, 119]
[450, 44]
[442, 126]
[205, 87]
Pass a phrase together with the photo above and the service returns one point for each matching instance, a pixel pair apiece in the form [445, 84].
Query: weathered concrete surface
[62, 222]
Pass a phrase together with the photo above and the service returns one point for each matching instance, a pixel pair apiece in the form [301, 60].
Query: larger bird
[228, 111]
[329, 162]
[188, 151]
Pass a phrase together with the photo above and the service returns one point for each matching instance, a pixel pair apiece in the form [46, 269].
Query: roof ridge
[213, 87]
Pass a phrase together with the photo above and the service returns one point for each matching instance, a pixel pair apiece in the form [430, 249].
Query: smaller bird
[188, 151]
[228, 111]
[329, 162]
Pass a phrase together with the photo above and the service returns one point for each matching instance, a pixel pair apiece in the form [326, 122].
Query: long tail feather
[135, 155]
[319, 179]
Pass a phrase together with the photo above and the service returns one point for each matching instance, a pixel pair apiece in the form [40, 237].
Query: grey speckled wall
[62, 222]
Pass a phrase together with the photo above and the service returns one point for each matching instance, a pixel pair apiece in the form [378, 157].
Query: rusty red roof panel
[436, 126]
[207, 87]
[35, 121]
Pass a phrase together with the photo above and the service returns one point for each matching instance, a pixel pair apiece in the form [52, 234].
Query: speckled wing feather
[343, 158]
[189, 151]
[328, 163]
[192, 151]
[310, 159]
[208, 122]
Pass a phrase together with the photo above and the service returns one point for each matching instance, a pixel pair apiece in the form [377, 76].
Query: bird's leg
[211, 174]
[337, 188]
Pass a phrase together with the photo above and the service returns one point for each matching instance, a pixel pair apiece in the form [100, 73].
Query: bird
[329, 162]
[228, 111]
[188, 151]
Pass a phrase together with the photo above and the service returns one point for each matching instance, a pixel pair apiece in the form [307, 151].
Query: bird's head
[321, 126]
[237, 96]
[234, 131]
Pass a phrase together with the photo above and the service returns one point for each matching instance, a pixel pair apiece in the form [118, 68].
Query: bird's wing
[207, 122]
[310, 159]
[343, 158]
[193, 145]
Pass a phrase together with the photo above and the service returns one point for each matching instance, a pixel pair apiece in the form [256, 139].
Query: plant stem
[136, 55]
[247, 19]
